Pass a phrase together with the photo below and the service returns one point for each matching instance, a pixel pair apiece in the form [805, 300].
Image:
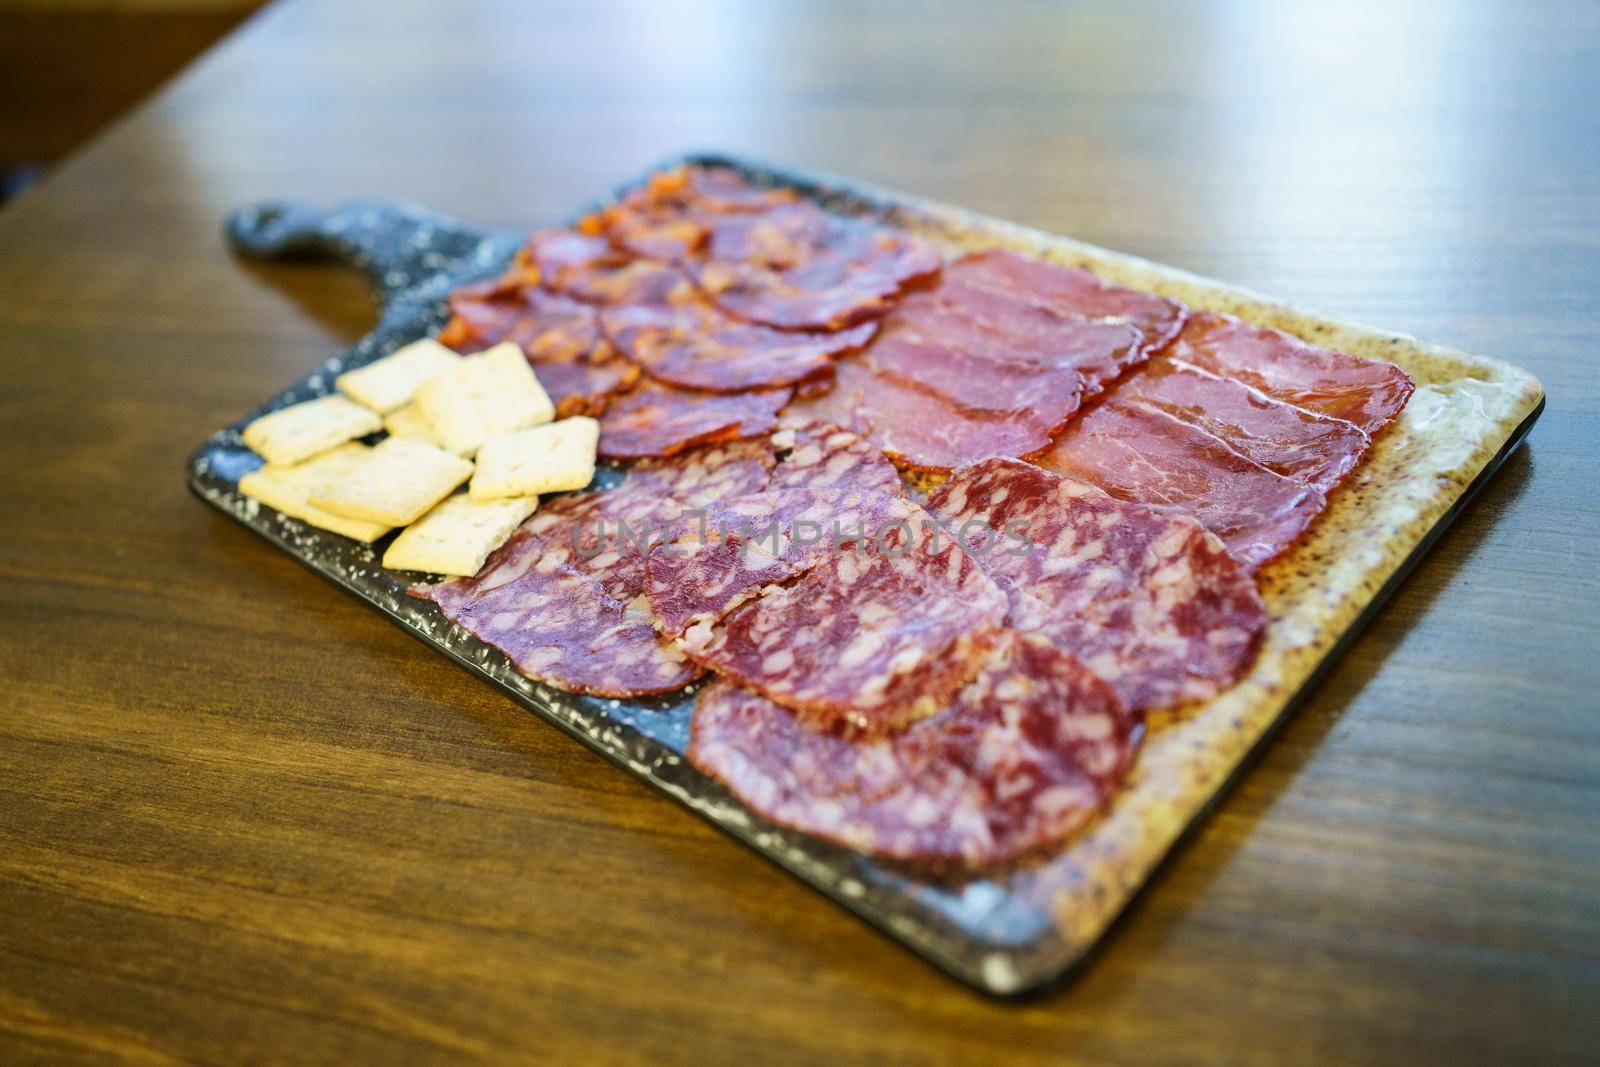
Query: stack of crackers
[483, 421]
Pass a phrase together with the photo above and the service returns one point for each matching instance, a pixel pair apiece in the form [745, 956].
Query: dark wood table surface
[242, 818]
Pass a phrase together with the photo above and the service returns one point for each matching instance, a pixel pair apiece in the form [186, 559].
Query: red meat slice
[654, 419]
[1312, 449]
[1021, 758]
[1072, 290]
[561, 627]
[698, 346]
[1148, 599]
[1364, 392]
[796, 267]
[870, 639]
[1145, 456]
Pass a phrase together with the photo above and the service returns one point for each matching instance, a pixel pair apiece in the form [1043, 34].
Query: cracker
[395, 483]
[408, 422]
[288, 490]
[300, 431]
[546, 459]
[458, 535]
[389, 383]
[480, 396]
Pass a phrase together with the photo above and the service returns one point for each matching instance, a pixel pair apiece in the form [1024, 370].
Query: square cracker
[408, 422]
[545, 459]
[395, 483]
[491, 393]
[458, 535]
[300, 431]
[288, 489]
[389, 383]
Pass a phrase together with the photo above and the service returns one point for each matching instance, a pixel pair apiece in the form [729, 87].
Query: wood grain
[241, 817]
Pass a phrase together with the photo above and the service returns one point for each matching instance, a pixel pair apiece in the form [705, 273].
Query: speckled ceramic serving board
[1013, 932]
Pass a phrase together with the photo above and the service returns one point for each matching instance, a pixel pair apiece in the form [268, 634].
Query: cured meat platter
[1291, 567]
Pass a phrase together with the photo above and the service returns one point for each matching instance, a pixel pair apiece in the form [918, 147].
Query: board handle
[400, 248]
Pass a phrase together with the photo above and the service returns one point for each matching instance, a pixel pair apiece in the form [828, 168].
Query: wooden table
[243, 818]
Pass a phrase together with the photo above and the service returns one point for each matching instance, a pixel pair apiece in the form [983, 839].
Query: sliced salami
[1021, 758]
[1072, 290]
[867, 640]
[1148, 599]
[665, 219]
[820, 455]
[752, 542]
[654, 419]
[561, 337]
[796, 267]
[1312, 449]
[560, 627]
[696, 345]
[1143, 455]
[1364, 392]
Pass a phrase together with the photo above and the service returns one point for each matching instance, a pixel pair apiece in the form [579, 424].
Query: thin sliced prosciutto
[1366, 393]
[1070, 290]
[654, 419]
[1145, 456]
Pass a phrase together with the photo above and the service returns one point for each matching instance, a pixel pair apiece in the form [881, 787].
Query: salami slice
[1149, 600]
[1312, 449]
[752, 542]
[796, 267]
[1072, 290]
[1364, 392]
[821, 455]
[1021, 758]
[560, 627]
[868, 640]
[665, 219]
[587, 268]
[1145, 456]
[561, 337]
[914, 426]
[654, 419]
[696, 345]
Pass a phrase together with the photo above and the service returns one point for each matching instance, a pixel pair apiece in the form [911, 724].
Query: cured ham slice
[654, 419]
[1363, 392]
[561, 337]
[1312, 449]
[1145, 456]
[914, 426]
[1147, 598]
[1071, 290]
[698, 346]
[795, 267]
[867, 640]
[1018, 760]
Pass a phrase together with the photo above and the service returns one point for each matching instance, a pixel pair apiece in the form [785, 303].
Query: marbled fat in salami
[560, 627]
[654, 419]
[1364, 392]
[796, 267]
[1143, 455]
[1071, 290]
[1149, 600]
[1019, 759]
[1312, 449]
[867, 640]
[821, 455]
[696, 345]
